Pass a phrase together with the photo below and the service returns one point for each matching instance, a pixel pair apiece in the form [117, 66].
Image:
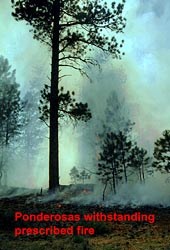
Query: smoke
[24, 54]
[142, 78]
[32, 62]
[144, 70]
[146, 66]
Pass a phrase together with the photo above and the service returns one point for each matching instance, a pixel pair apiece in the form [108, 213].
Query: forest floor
[108, 235]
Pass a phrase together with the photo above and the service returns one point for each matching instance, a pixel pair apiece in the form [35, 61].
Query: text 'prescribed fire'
[57, 220]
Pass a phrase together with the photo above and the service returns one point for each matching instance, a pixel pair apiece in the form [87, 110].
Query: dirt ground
[108, 235]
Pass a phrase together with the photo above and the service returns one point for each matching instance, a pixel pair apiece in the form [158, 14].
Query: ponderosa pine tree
[162, 153]
[68, 108]
[74, 175]
[139, 161]
[10, 109]
[32, 131]
[71, 28]
[84, 175]
[114, 159]
[117, 115]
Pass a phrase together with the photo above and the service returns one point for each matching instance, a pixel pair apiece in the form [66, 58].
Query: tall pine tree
[162, 153]
[10, 109]
[71, 28]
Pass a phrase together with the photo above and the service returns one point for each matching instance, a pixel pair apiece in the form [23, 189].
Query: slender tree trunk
[140, 175]
[1, 166]
[5, 178]
[125, 172]
[124, 168]
[54, 142]
[143, 173]
[6, 153]
[104, 190]
[1, 175]
[114, 183]
[113, 178]
[116, 174]
[111, 186]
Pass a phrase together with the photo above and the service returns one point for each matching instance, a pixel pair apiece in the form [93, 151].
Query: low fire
[120, 226]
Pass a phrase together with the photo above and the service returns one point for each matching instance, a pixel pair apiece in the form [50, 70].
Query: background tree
[113, 160]
[80, 176]
[32, 132]
[74, 175]
[116, 119]
[10, 110]
[71, 28]
[117, 114]
[120, 157]
[84, 175]
[124, 149]
[162, 153]
[140, 161]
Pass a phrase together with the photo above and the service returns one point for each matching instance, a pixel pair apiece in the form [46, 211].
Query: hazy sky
[145, 66]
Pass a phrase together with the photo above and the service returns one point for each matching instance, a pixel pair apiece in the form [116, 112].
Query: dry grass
[120, 240]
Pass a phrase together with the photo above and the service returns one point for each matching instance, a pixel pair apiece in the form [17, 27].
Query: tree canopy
[10, 103]
[162, 153]
[10, 110]
[67, 108]
[82, 26]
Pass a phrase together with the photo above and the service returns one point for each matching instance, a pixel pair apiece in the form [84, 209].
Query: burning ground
[108, 235]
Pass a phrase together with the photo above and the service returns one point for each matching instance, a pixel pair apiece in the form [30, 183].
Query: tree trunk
[125, 172]
[116, 178]
[143, 173]
[114, 184]
[5, 178]
[113, 179]
[1, 175]
[105, 186]
[124, 168]
[54, 142]
[140, 175]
